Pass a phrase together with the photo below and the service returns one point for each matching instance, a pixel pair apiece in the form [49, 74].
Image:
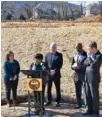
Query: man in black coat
[79, 74]
[54, 62]
[93, 63]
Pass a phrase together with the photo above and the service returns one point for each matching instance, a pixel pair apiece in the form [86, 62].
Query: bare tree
[33, 10]
[7, 8]
[54, 5]
[63, 11]
[2, 4]
[58, 7]
[100, 5]
[28, 8]
[58, 10]
[72, 12]
[81, 6]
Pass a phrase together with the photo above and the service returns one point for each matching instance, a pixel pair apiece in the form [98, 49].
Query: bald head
[79, 47]
[53, 47]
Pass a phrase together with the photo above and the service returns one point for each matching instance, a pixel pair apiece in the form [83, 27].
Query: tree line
[9, 11]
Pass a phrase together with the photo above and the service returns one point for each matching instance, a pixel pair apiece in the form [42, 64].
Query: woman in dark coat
[11, 76]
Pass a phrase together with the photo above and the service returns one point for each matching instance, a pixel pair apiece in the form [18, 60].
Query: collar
[53, 53]
[80, 52]
[39, 63]
[95, 52]
[10, 62]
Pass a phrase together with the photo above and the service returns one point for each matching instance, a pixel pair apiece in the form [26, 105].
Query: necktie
[52, 57]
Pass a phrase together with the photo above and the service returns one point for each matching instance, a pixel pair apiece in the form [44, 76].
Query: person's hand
[15, 77]
[11, 79]
[73, 67]
[89, 53]
[52, 72]
[76, 68]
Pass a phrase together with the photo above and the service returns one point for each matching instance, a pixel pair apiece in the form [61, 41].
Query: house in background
[57, 10]
[92, 9]
[44, 11]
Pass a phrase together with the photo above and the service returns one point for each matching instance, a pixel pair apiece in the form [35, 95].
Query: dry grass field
[27, 38]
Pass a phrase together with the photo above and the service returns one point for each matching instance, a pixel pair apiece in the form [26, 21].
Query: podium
[33, 83]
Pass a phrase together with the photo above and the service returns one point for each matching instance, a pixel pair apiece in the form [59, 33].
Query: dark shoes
[15, 103]
[9, 104]
[38, 112]
[58, 105]
[78, 107]
[48, 103]
[97, 114]
[88, 113]
[12, 103]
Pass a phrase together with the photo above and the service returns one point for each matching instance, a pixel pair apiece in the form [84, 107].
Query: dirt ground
[66, 110]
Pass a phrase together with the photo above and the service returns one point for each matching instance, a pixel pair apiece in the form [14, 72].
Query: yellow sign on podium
[33, 84]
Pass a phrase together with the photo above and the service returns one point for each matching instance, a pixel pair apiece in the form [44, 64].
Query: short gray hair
[53, 44]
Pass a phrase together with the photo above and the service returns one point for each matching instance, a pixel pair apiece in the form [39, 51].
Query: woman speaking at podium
[38, 65]
[11, 75]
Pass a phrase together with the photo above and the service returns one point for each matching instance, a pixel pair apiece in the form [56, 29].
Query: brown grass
[25, 41]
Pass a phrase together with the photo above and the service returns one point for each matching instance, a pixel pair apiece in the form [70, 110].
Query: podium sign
[33, 84]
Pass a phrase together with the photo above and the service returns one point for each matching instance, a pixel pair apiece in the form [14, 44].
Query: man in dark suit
[79, 74]
[93, 63]
[54, 62]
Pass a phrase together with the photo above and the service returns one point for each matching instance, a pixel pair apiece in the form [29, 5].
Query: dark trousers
[45, 85]
[78, 90]
[57, 86]
[84, 94]
[93, 97]
[11, 85]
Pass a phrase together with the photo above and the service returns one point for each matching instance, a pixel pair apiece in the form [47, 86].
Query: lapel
[49, 57]
[95, 54]
[80, 58]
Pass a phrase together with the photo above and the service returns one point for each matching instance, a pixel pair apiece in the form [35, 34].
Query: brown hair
[93, 44]
[8, 54]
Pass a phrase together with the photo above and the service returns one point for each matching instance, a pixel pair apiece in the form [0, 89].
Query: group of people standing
[53, 63]
[87, 76]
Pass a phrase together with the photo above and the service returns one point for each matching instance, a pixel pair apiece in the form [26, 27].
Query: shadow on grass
[53, 110]
[52, 106]
[59, 111]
